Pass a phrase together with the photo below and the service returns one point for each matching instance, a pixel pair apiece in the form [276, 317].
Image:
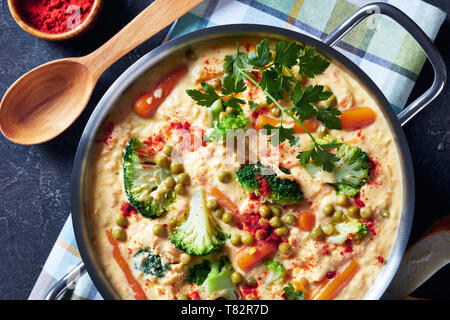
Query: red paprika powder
[55, 16]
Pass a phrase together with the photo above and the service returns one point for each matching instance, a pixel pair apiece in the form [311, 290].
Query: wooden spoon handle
[153, 19]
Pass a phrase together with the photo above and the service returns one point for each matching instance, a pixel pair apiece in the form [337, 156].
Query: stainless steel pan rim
[107, 103]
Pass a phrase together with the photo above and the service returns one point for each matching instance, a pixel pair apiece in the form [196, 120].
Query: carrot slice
[306, 220]
[224, 201]
[357, 117]
[251, 256]
[147, 102]
[134, 284]
[330, 288]
[263, 119]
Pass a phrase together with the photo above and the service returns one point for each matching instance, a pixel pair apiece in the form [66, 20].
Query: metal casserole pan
[107, 103]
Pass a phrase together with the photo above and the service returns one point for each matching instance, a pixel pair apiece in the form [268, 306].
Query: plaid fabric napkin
[386, 53]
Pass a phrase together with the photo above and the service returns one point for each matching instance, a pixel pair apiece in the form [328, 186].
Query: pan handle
[440, 74]
[67, 282]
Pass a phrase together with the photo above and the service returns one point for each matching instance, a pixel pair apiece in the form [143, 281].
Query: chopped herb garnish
[291, 294]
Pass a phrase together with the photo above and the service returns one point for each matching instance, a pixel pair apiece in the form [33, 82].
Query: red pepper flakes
[255, 115]
[263, 186]
[253, 197]
[127, 209]
[358, 202]
[179, 125]
[375, 171]
[107, 133]
[325, 250]
[194, 296]
[207, 61]
[331, 274]
[380, 259]
[348, 245]
[370, 225]
[246, 291]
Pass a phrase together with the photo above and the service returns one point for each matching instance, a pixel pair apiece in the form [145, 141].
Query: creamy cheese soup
[175, 212]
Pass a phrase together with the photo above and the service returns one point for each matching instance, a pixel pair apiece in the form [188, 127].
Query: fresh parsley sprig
[290, 293]
[277, 81]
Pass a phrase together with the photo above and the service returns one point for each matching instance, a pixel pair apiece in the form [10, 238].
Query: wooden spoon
[47, 100]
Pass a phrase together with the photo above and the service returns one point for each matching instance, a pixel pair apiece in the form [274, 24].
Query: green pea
[263, 221]
[341, 199]
[182, 296]
[216, 83]
[282, 231]
[185, 258]
[322, 132]
[236, 277]
[179, 189]
[235, 239]
[365, 212]
[265, 212]
[284, 247]
[230, 110]
[261, 234]
[385, 213]
[218, 213]
[276, 211]
[167, 150]
[162, 161]
[176, 167]
[328, 210]
[353, 212]
[227, 218]
[290, 219]
[158, 230]
[169, 182]
[212, 204]
[275, 111]
[316, 233]
[251, 282]
[275, 222]
[184, 179]
[224, 176]
[247, 239]
[191, 55]
[337, 215]
[223, 115]
[121, 220]
[118, 234]
[328, 229]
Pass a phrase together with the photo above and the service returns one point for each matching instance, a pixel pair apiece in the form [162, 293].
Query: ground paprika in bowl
[55, 19]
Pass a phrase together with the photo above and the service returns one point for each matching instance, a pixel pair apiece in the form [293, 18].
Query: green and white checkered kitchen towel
[386, 53]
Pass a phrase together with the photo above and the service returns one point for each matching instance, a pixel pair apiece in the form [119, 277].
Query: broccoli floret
[149, 263]
[199, 234]
[198, 273]
[352, 169]
[263, 181]
[141, 176]
[346, 230]
[276, 272]
[217, 283]
[233, 121]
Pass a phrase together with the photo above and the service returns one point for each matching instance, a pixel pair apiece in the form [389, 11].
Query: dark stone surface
[35, 181]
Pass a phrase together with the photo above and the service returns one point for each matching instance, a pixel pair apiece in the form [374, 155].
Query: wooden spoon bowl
[45, 101]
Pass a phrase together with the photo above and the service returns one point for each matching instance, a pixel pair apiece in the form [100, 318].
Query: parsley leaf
[271, 84]
[252, 105]
[204, 99]
[280, 134]
[329, 117]
[233, 102]
[232, 85]
[318, 155]
[286, 54]
[311, 63]
[235, 63]
[291, 294]
[262, 57]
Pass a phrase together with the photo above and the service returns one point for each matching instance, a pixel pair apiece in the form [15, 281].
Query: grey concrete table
[34, 181]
